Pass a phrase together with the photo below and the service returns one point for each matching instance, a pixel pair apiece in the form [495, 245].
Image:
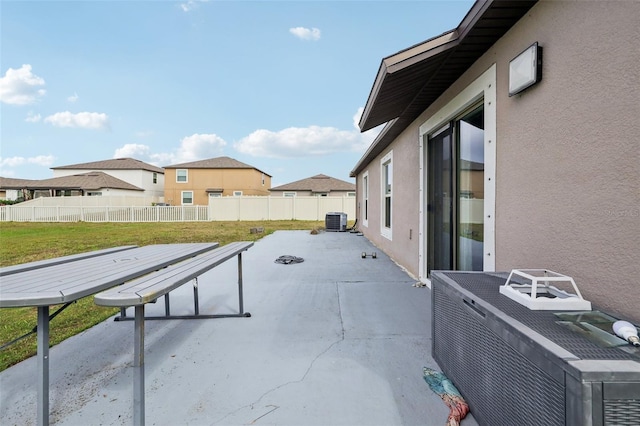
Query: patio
[335, 340]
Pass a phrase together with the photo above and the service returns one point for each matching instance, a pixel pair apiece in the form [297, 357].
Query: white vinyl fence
[219, 209]
[16, 213]
[280, 208]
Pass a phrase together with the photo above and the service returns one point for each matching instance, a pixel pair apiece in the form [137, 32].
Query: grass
[22, 242]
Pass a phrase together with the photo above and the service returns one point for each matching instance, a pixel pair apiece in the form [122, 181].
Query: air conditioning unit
[335, 222]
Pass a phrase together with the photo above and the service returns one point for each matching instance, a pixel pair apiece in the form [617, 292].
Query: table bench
[9, 270]
[149, 288]
[64, 280]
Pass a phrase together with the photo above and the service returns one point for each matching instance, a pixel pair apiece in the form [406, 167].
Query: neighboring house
[465, 176]
[194, 182]
[139, 174]
[14, 189]
[84, 184]
[318, 185]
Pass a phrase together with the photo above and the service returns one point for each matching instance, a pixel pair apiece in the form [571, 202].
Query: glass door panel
[440, 200]
[470, 186]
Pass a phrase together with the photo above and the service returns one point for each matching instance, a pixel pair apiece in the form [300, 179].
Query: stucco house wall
[566, 171]
[403, 247]
[200, 181]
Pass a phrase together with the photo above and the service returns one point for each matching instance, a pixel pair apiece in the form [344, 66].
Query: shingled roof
[317, 183]
[86, 181]
[13, 183]
[215, 163]
[113, 164]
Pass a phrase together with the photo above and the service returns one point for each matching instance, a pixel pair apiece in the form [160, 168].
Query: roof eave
[426, 63]
[399, 62]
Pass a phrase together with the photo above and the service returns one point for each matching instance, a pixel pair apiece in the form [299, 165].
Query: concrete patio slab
[334, 340]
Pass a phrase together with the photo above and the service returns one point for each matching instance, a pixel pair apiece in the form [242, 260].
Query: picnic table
[150, 287]
[64, 280]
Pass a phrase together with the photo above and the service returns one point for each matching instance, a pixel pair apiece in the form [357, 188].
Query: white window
[94, 194]
[263, 179]
[215, 194]
[365, 198]
[187, 197]
[386, 178]
[155, 177]
[289, 194]
[351, 194]
[237, 193]
[321, 194]
[181, 175]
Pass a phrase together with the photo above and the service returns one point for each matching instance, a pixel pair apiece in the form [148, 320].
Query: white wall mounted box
[538, 294]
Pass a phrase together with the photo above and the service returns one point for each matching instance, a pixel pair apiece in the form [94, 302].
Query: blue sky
[278, 85]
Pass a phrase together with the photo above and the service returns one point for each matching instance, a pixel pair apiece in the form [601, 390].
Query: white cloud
[356, 118]
[132, 150]
[21, 86]
[199, 146]
[40, 160]
[73, 98]
[85, 120]
[33, 117]
[192, 148]
[8, 164]
[190, 5]
[307, 141]
[305, 33]
[301, 142]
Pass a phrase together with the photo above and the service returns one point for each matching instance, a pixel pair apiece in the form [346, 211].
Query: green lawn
[22, 242]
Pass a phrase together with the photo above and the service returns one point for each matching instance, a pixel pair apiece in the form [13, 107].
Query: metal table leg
[240, 298]
[43, 365]
[138, 367]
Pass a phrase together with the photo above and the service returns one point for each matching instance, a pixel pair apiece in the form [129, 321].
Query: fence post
[293, 206]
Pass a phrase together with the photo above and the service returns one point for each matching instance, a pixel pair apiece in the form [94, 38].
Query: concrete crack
[304, 376]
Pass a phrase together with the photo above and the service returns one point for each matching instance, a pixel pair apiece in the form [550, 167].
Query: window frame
[182, 197]
[386, 196]
[365, 198]
[178, 175]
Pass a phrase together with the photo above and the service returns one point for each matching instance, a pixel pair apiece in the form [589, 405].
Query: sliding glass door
[455, 195]
[440, 202]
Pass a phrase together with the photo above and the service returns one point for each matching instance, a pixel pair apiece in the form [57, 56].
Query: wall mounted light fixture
[525, 70]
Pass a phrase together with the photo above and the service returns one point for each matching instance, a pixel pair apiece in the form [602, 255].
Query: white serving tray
[540, 295]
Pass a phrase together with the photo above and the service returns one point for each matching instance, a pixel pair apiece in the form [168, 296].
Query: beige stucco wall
[403, 247]
[568, 182]
[249, 181]
[568, 154]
